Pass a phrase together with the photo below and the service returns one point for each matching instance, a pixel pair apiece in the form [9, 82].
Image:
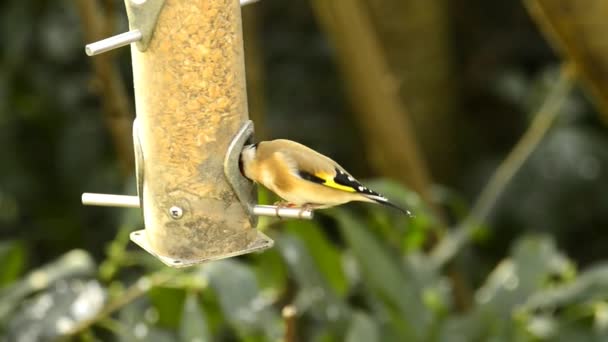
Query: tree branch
[289, 314]
[118, 113]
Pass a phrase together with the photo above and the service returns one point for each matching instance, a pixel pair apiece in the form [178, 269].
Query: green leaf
[56, 311]
[416, 235]
[169, 305]
[327, 335]
[362, 329]
[271, 271]
[461, 328]
[13, 255]
[314, 295]
[534, 260]
[326, 256]
[243, 305]
[76, 263]
[409, 233]
[591, 285]
[382, 273]
[215, 318]
[193, 327]
[135, 324]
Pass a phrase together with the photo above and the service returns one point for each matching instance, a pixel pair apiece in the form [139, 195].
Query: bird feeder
[191, 125]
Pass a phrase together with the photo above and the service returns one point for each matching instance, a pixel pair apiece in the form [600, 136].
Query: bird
[304, 177]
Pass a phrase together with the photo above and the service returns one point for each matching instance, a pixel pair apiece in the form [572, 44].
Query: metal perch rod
[275, 211]
[106, 200]
[125, 201]
[113, 42]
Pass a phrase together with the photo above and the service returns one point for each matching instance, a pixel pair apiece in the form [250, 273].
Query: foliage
[357, 281]
[356, 273]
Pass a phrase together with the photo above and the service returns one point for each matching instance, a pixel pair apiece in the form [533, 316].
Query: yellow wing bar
[329, 182]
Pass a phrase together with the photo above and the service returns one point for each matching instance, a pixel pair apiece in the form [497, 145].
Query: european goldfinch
[304, 177]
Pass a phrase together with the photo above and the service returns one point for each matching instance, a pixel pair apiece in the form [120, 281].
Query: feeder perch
[143, 15]
[190, 128]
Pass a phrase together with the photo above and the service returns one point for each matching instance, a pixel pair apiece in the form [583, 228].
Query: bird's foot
[284, 204]
[306, 207]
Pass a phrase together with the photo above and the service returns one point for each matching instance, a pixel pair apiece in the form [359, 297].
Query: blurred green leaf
[193, 327]
[116, 254]
[590, 286]
[455, 204]
[215, 318]
[13, 255]
[169, 303]
[314, 293]
[416, 235]
[383, 273]
[76, 263]
[324, 336]
[244, 307]
[534, 260]
[362, 329]
[543, 327]
[270, 270]
[136, 323]
[326, 257]
[56, 311]
[459, 329]
[407, 233]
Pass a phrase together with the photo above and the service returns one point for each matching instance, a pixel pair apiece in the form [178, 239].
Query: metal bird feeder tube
[190, 128]
[190, 100]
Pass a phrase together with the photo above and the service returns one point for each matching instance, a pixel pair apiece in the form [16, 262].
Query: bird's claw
[305, 208]
[282, 204]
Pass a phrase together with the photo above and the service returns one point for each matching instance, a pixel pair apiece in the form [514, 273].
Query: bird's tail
[384, 201]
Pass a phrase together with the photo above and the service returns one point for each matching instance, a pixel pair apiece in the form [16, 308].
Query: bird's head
[247, 156]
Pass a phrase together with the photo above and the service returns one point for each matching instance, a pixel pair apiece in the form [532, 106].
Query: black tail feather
[386, 202]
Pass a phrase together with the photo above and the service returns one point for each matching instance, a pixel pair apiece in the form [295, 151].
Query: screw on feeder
[176, 212]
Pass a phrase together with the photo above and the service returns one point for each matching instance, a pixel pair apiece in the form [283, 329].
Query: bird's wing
[327, 179]
[317, 168]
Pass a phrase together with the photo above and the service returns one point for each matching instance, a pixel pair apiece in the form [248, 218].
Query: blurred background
[486, 119]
